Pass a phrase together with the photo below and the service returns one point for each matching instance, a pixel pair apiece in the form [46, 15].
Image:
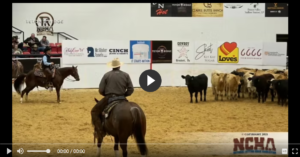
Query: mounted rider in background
[47, 67]
[115, 85]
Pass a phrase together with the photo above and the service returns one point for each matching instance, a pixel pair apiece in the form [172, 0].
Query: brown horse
[125, 119]
[17, 68]
[34, 79]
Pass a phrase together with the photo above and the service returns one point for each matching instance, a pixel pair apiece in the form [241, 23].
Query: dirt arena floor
[171, 120]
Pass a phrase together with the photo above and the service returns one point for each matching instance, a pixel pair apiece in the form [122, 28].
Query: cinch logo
[118, 51]
[228, 53]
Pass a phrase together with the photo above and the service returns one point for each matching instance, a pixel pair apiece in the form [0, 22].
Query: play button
[150, 80]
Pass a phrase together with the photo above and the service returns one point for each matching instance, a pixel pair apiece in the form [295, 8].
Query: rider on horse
[46, 65]
[115, 85]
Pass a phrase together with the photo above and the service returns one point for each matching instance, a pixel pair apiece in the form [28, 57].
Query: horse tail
[18, 82]
[138, 131]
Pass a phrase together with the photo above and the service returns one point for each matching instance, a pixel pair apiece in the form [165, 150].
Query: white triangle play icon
[8, 151]
[150, 80]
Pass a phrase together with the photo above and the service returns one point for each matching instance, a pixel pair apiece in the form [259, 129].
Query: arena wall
[133, 22]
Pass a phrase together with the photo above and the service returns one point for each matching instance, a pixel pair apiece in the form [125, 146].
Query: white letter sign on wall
[250, 53]
[275, 53]
[244, 10]
[183, 51]
[205, 52]
[85, 52]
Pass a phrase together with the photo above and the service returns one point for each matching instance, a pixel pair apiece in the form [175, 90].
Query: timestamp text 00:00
[75, 151]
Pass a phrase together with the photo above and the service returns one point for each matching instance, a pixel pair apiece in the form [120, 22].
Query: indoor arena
[173, 123]
[233, 49]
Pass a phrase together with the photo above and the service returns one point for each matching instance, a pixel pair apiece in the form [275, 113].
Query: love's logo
[228, 53]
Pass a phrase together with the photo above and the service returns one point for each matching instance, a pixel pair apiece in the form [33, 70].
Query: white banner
[244, 9]
[250, 53]
[183, 51]
[86, 52]
[274, 53]
[206, 52]
[228, 52]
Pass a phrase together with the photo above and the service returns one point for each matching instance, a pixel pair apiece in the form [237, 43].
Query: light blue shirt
[45, 61]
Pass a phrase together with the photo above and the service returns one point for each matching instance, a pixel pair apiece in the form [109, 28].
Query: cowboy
[46, 65]
[114, 85]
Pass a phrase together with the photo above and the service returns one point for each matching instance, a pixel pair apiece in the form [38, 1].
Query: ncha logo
[259, 145]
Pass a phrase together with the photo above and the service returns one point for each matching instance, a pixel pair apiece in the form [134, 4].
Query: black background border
[293, 123]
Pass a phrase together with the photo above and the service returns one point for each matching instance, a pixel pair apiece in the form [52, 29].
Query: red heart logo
[230, 46]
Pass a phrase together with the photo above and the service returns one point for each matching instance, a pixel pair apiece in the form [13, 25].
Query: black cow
[281, 88]
[241, 74]
[262, 84]
[196, 84]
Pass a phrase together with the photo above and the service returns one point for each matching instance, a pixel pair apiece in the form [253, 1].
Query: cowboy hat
[34, 45]
[115, 63]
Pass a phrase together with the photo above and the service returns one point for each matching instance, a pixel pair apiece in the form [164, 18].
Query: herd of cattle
[257, 83]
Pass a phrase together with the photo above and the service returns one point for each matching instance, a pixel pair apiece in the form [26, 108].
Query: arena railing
[19, 31]
[35, 55]
[66, 35]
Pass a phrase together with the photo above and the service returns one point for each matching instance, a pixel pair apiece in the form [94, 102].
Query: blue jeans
[41, 49]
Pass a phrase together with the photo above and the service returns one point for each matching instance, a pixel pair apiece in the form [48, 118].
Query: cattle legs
[196, 95]
[205, 94]
[191, 94]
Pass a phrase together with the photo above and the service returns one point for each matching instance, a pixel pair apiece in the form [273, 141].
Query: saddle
[40, 72]
[112, 102]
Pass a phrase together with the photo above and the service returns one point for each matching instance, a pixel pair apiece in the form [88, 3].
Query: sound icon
[21, 150]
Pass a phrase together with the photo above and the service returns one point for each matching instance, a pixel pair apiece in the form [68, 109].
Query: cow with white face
[249, 86]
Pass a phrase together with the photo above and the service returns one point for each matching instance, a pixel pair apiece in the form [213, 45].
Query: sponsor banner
[207, 10]
[183, 51]
[161, 51]
[274, 53]
[181, 9]
[140, 51]
[161, 9]
[244, 9]
[277, 10]
[28, 63]
[228, 52]
[251, 53]
[86, 52]
[206, 52]
[233, 143]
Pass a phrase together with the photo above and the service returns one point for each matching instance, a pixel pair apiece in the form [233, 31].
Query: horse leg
[99, 142]
[116, 147]
[57, 88]
[123, 144]
[27, 92]
[27, 89]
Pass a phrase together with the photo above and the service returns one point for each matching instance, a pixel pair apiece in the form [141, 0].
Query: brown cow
[232, 85]
[218, 84]
[214, 81]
